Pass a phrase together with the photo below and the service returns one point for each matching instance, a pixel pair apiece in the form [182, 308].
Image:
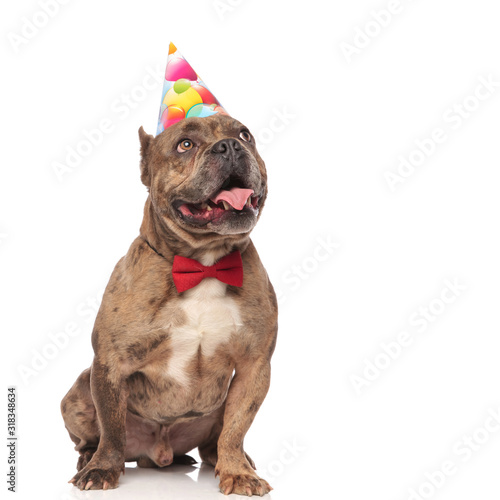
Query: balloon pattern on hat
[184, 93]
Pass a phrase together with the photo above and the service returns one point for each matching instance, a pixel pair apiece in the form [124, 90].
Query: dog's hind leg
[80, 418]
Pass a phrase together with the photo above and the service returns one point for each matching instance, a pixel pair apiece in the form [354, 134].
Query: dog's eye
[245, 135]
[184, 145]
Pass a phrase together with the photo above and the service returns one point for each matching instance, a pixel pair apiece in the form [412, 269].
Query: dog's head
[204, 175]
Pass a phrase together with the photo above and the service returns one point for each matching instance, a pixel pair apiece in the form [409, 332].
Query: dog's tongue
[236, 197]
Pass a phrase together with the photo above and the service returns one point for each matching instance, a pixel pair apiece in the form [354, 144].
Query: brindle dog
[177, 371]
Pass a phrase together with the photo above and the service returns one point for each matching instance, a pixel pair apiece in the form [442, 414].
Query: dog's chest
[211, 318]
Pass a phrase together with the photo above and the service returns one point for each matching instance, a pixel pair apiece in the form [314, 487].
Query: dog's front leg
[246, 393]
[109, 394]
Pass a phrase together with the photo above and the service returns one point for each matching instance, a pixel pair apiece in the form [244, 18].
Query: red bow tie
[188, 273]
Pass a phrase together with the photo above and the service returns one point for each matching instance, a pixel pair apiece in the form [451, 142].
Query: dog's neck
[205, 248]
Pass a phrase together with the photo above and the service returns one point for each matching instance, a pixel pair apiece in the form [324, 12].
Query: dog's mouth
[229, 200]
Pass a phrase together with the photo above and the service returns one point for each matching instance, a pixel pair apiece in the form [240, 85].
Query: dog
[178, 370]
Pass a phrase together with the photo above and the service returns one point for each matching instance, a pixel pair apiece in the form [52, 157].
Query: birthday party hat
[184, 93]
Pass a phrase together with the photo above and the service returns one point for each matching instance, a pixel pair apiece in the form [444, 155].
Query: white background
[351, 121]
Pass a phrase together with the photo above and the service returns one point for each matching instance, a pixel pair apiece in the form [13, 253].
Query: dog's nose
[226, 147]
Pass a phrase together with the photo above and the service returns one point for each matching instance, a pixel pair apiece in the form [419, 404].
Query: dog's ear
[145, 154]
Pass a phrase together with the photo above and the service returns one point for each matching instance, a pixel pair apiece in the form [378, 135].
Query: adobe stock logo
[364, 35]
[59, 340]
[223, 7]
[30, 28]
[280, 120]
[462, 450]
[453, 118]
[290, 452]
[419, 322]
[294, 277]
[121, 108]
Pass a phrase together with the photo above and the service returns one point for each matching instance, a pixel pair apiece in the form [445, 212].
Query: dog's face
[205, 175]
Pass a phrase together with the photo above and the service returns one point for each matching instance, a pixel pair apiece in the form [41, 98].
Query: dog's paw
[209, 456]
[84, 458]
[184, 460]
[96, 478]
[243, 484]
[250, 461]
[146, 463]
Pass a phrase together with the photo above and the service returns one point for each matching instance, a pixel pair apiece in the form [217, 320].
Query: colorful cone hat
[184, 93]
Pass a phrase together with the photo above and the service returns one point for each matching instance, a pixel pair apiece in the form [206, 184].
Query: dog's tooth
[226, 205]
[209, 208]
[204, 206]
[249, 201]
